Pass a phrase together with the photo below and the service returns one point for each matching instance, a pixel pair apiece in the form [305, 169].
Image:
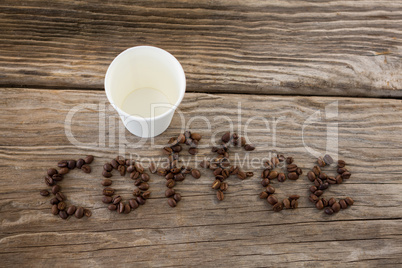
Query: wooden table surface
[281, 60]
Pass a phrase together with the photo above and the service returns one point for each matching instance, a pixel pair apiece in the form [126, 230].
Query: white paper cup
[145, 85]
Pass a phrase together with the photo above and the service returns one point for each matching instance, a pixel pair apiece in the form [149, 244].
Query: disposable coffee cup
[145, 85]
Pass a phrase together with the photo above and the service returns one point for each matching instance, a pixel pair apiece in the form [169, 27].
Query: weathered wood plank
[241, 230]
[349, 48]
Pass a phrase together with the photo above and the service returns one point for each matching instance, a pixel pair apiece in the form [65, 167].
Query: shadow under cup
[145, 85]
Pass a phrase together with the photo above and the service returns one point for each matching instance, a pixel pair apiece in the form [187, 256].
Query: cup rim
[182, 91]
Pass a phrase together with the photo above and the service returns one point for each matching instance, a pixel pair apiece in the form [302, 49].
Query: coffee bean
[127, 208]
[216, 184]
[313, 198]
[311, 176]
[133, 203]
[272, 199]
[177, 197]
[196, 136]
[60, 196]
[265, 182]
[319, 205]
[241, 175]
[80, 163]
[286, 203]
[179, 177]
[294, 196]
[55, 210]
[224, 187]
[219, 195]
[323, 186]
[114, 163]
[139, 168]
[349, 201]
[318, 193]
[235, 170]
[195, 173]
[331, 180]
[341, 163]
[64, 171]
[169, 192]
[170, 183]
[294, 204]
[322, 176]
[79, 212]
[145, 177]
[324, 202]
[71, 210]
[343, 204]
[329, 211]
[270, 189]
[56, 189]
[226, 137]
[299, 171]
[313, 189]
[130, 169]
[217, 171]
[328, 159]
[321, 162]
[136, 192]
[272, 175]
[51, 172]
[277, 207]
[281, 177]
[167, 150]
[152, 168]
[281, 158]
[44, 193]
[181, 138]
[116, 200]
[249, 147]
[137, 182]
[129, 162]
[193, 151]
[106, 174]
[121, 207]
[61, 205]
[341, 170]
[263, 195]
[289, 160]
[316, 170]
[71, 164]
[146, 194]
[87, 212]
[107, 167]
[291, 168]
[62, 163]
[108, 191]
[346, 175]
[317, 183]
[112, 207]
[172, 202]
[242, 141]
[225, 173]
[107, 199]
[336, 207]
[106, 182]
[134, 175]
[57, 177]
[204, 164]
[143, 186]
[88, 160]
[177, 148]
[275, 161]
[293, 176]
[86, 168]
[63, 214]
[268, 164]
[331, 201]
[54, 201]
[120, 160]
[339, 179]
[122, 170]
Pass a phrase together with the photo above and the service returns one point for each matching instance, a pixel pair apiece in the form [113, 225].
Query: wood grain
[242, 230]
[339, 48]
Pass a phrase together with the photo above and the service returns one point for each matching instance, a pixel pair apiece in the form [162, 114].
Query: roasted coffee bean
[235, 170]
[294, 203]
[107, 167]
[336, 207]
[328, 159]
[319, 204]
[129, 162]
[281, 177]
[219, 195]
[323, 186]
[63, 215]
[106, 182]
[134, 175]
[249, 147]
[122, 170]
[346, 175]
[64, 171]
[224, 187]
[117, 200]
[57, 177]
[71, 210]
[317, 183]
[281, 158]
[242, 141]
[204, 164]
[152, 168]
[107, 199]
[217, 171]
[291, 168]
[60, 196]
[193, 151]
[313, 188]
[80, 163]
[170, 183]
[71, 164]
[52, 171]
[277, 207]
[299, 171]
[349, 201]
[112, 207]
[89, 159]
[321, 162]
[44, 193]
[216, 184]
[270, 189]
[265, 173]
[275, 161]
[241, 175]
[294, 196]
[114, 163]
[177, 148]
[293, 176]
[263, 195]
[318, 193]
[339, 179]
[145, 177]
[311, 176]
[167, 150]
[289, 160]
[61, 205]
[341, 163]
[146, 194]
[181, 138]
[79, 212]
[313, 198]
[286, 203]
[341, 170]
[108, 191]
[272, 175]
[268, 164]
[265, 182]
[127, 208]
[221, 151]
[139, 168]
[171, 202]
[87, 212]
[143, 186]
[55, 210]
[343, 204]
[196, 136]
[169, 176]
[106, 174]
[331, 201]
[136, 192]
[54, 201]
[169, 192]
[331, 180]
[55, 189]
[172, 141]
[272, 199]
[121, 160]
[226, 173]
[324, 202]
[226, 137]
[86, 168]
[62, 163]
[322, 176]
[121, 207]
[316, 170]
[329, 211]
[177, 197]
[133, 203]
[179, 177]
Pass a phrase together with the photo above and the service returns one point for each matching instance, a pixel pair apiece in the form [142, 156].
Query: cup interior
[150, 72]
